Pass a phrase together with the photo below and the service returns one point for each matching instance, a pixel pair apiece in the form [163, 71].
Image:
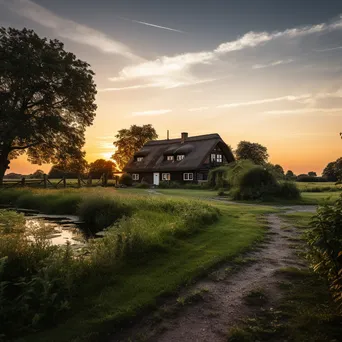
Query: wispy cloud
[69, 29]
[198, 109]
[304, 111]
[152, 25]
[174, 71]
[263, 101]
[272, 64]
[330, 49]
[152, 112]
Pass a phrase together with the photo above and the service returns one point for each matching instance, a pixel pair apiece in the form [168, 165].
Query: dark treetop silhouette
[46, 99]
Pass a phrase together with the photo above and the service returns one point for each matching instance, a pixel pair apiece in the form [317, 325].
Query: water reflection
[60, 229]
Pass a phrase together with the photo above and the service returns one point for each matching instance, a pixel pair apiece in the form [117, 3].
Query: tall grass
[38, 281]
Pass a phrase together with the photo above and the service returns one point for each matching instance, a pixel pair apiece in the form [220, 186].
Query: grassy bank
[154, 246]
[137, 287]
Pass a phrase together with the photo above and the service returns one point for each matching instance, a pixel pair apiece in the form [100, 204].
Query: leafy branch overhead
[47, 99]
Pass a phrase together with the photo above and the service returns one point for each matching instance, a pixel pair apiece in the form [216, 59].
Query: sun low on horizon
[262, 71]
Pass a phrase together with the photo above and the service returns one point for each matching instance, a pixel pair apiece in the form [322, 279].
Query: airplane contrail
[152, 25]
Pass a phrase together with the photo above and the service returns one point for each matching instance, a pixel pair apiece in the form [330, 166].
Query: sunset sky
[267, 71]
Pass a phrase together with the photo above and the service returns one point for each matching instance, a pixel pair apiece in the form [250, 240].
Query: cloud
[198, 109]
[304, 111]
[330, 49]
[152, 25]
[152, 112]
[175, 71]
[275, 63]
[69, 29]
[263, 101]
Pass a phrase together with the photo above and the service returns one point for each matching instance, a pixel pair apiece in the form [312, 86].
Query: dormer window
[180, 157]
[170, 158]
[139, 159]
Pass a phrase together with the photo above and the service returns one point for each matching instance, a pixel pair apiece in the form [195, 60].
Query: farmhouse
[187, 159]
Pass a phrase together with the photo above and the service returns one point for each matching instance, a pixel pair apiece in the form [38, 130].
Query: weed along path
[207, 310]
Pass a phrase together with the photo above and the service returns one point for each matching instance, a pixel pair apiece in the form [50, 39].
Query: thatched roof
[196, 149]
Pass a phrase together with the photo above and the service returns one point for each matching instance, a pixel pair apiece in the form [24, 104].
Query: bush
[325, 241]
[169, 185]
[142, 185]
[221, 192]
[101, 212]
[259, 183]
[126, 179]
[217, 177]
[288, 190]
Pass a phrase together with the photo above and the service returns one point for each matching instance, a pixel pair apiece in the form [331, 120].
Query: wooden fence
[61, 183]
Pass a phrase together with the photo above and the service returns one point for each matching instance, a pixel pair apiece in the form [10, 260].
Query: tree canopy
[312, 174]
[130, 141]
[46, 99]
[100, 167]
[333, 171]
[252, 151]
[69, 168]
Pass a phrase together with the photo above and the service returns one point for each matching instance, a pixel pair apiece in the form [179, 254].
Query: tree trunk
[4, 162]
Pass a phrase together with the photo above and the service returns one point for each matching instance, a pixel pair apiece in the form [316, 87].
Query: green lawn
[137, 287]
[317, 186]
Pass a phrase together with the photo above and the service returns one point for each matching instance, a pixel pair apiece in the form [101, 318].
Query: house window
[169, 158]
[135, 176]
[166, 176]
[188, 176]
[139, 159]
[213, 157]
[219, 158]
[180, 157]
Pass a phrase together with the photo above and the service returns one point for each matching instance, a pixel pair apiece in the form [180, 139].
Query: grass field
[318, 186]
[134, 285]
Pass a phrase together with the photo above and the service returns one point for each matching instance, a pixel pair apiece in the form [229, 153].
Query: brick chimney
[184, 136]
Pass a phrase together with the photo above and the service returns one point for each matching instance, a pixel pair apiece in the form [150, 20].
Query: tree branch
[24, 147]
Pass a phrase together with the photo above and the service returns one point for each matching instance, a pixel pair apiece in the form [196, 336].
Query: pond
[62, 228]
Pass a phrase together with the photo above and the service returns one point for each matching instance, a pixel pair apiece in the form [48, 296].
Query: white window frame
[180, 157]
[139, 159]
[219, 158]
[170, 158]
[213, 157]
[166, 176]
[189, 176]
[135, 176]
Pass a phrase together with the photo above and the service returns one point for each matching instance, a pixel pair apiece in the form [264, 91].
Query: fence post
[64, 182]
[45, 180]
[79, 181]
[23, 181]
[89, 181]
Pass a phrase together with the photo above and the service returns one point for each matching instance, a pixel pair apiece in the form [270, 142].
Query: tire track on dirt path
[222, 303]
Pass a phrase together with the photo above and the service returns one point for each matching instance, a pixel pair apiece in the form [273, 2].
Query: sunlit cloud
[152, 25]
[263, 101]
[275, 63]
[152, 112]
[176, 70]
[69, 29]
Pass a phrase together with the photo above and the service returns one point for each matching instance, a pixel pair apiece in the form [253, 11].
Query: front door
[156, 178]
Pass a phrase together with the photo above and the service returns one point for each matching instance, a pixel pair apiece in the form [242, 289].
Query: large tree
[100, 167]
[46, 99]
[130, 141]
[330, 171]
[252, 151]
